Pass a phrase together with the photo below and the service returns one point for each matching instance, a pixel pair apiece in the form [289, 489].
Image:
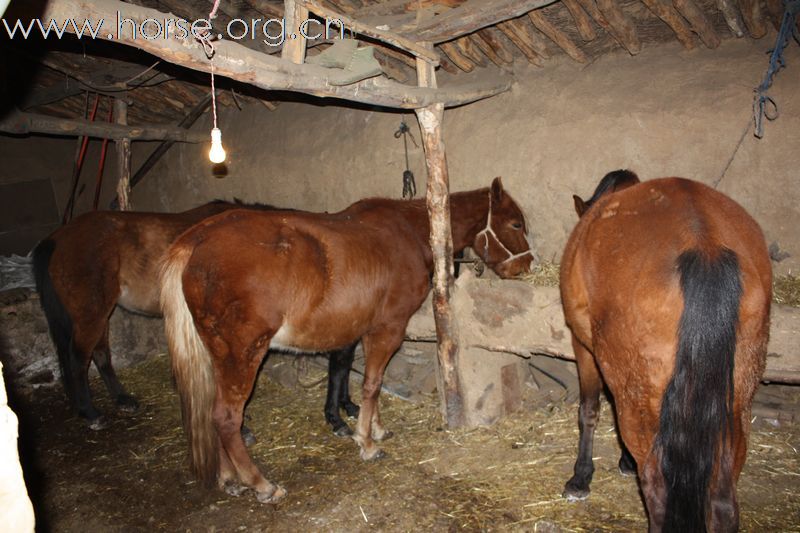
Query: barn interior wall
[36, 183]
[667, 111]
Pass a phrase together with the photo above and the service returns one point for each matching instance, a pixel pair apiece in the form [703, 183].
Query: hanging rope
[409, 185]
[763, 105]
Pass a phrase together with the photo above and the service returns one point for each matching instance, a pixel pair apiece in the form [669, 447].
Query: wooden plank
[236, 62]
[492, 37]
[700, 23]
[666, 12]
[412, 47]
[20, 123]
[557, 36]
[470, 17]
[438, 203]
[482, 45]
[582, 20]
[467, 47]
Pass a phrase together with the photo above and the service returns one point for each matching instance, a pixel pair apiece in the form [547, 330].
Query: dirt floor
[508, 477]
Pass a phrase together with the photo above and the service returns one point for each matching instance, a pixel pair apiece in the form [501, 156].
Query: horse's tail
[192, 368]
[58, 319]
[697, 408]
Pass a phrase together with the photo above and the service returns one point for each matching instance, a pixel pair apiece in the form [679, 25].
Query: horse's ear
[580, 205]
[497, 190]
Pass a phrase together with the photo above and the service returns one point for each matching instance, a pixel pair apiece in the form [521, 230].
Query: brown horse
[242, 282]
[666, 286]
[103, 259]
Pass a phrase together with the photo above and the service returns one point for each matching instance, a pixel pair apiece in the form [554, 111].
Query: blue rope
[763, 105]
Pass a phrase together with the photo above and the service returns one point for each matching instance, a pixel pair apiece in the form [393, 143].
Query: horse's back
[620, 276]
[323, 274]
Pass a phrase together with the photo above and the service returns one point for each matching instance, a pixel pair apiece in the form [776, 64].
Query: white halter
[487, 231]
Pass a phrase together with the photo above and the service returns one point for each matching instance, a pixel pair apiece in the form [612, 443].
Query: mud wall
[664, 112]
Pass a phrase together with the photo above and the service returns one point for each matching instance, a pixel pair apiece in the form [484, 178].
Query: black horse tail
[697, 409]
[58, 318]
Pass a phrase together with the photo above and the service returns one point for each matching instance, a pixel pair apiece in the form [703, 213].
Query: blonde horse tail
[191, 367]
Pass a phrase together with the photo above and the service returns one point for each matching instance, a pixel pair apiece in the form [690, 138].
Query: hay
[785, 289]
[505, 477]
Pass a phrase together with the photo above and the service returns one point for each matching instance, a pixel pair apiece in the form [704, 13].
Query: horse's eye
[516, 225]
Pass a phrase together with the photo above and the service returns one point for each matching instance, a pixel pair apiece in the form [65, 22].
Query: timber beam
[236, 62]
[19, 123]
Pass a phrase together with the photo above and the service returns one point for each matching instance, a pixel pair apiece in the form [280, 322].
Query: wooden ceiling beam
[732, 17]
[557, 36]
[236, 62]
[529, 42]
[19, 123]
[666, 12]
[753, 18]
[399, 41]
[623, 26]
[455, 55]
[468, 48]
[582, 20]
[699, 22]
[468, 17]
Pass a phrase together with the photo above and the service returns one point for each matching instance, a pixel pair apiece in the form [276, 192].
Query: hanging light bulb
[217, 152]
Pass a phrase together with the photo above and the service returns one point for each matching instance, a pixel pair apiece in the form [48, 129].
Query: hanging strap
[763, 105]
[409, 185]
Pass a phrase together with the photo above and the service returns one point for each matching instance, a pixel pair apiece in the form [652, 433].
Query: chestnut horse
[103, 259]
[666, 287]
[244, 281]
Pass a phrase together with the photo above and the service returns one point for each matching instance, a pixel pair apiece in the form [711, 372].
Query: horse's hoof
[272, 496]
[627, 466]
[98, 423]
[374, 456]
[127, 403]
[352, 410]
[234, 488]
[575, 494]
[386, 435]
[343, 431]
[248, 436]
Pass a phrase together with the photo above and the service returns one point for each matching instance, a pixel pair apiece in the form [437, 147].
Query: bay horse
[102, 259]
[666, 287]
[242, 282]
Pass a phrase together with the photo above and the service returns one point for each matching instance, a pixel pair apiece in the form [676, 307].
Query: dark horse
[103, 259]
[245, 281]
[666, 286]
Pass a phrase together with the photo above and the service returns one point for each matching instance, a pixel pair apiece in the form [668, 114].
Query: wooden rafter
[267, 72]
[664, 10]
[459, 59]
[557, 36]
[527, 41]
[582, 20]
[753, 18]
[624, 30]
[732, 17]
[699, 22]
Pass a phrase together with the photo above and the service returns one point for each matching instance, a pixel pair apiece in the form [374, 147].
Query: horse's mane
[250, 205]
[615, 180]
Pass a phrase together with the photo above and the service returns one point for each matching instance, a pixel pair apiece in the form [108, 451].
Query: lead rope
[409, 185]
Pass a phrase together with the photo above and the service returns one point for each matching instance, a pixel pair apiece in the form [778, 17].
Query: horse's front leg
[379, 347]
[577, 488]
[339, 364]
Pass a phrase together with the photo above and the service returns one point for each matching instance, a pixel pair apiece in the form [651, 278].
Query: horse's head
[502, 243]
[611, 182]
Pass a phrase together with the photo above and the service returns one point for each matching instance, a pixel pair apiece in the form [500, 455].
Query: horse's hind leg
[379, 347]
[234, 384]
[577, 488]
[339, 364]
[102, 360]
[77, 378]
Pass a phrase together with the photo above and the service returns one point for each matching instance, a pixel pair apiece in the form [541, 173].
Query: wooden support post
[438, 201]
[295, 48]
[123, 156]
